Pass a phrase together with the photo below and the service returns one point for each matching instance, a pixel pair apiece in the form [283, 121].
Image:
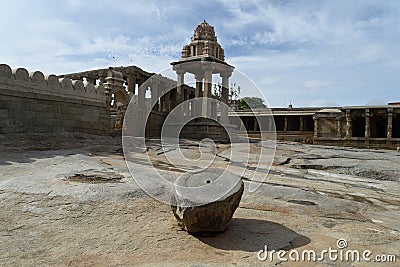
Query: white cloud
[323, 103]
[305, 52]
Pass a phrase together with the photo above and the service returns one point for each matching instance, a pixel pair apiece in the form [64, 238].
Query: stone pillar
[198, 93]
[255, 124]
[390, 123]
[180, 87]
[339, 126]
[161, 96]
[206, 107]
[348, 124]
[270, 122]
[113, 83]
[141, 100]
[301, 124]
[140, 110]
[186, 105]
[131, 83]
[180, 93]
[213, 104]
[155, 94]
[316, 126]
[286, 124]
[367, 124]
[224, 97]
[199, 85]
[166, 103]
[173, 98]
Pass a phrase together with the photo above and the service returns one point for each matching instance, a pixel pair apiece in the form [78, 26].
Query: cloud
[323, 103]
[305, 52]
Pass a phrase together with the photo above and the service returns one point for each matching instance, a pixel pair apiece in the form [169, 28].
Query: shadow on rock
[252, 235]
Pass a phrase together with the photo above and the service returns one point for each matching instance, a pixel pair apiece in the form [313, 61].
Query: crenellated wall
[33, 102]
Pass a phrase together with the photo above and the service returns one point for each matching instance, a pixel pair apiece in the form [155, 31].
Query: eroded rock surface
[47, 220]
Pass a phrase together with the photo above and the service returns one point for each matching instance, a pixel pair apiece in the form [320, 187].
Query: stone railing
[36, 82]
[33, 102]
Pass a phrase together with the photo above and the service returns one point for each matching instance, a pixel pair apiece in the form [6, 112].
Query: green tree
[251, 102]
[233, 93]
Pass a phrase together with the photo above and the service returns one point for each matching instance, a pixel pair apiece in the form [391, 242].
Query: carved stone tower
[203, 57]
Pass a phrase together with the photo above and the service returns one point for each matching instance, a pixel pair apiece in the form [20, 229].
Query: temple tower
[203, 57]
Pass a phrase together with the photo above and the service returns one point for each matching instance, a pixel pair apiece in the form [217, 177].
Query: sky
[309, 53]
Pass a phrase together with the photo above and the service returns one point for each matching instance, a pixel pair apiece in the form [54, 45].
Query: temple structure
[95, 101]
[356, 126]
[203, 57]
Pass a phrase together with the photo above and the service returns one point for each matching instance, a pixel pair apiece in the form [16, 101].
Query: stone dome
[203, 44]
[204, 32]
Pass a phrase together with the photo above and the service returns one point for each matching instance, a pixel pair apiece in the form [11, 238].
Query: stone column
[286, 124]
[206, 107]
[316, 126]
[367, 124]
[166, 104]
[141, 100]
[180, 87]
[114, 83]
[186, 98]
[131, 83]
[198, 93]
[224, 97]
[199, 85]
[339, 127]
[161, 96]
[180, 93]
[255, 124]
[301, 124]
[270, 122]
[390, 123]
[348, 124]
[213, 108]
[141, 110]
[155, 93]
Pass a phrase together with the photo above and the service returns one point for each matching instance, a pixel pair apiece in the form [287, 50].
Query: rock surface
[47, 220]
[205, 201]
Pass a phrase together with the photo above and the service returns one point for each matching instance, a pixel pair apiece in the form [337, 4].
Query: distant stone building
[95, 101]
[358, 126]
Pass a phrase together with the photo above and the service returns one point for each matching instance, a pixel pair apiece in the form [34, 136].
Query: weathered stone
[96, 176]
[205, 201]
[5, 71]
[53, 83]
[38, 79]
[21, 74]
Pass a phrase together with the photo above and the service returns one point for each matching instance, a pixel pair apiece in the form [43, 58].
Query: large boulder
[205, 201]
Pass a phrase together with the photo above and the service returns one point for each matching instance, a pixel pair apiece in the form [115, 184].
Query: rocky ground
[69, 200]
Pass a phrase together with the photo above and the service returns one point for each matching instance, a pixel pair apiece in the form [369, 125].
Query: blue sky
[310, 53]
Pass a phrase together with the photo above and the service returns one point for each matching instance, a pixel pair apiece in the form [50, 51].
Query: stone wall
[33, 102]
[154, 123]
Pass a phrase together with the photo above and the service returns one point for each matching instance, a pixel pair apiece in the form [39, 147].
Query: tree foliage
[251, 103]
